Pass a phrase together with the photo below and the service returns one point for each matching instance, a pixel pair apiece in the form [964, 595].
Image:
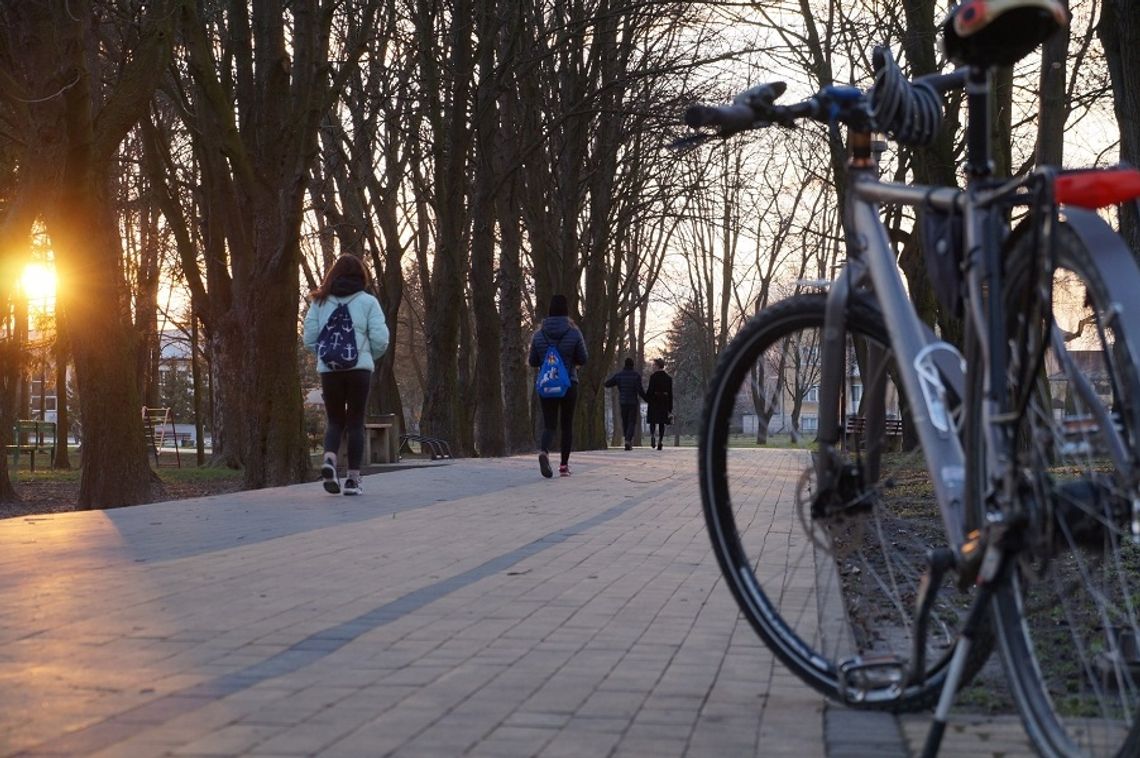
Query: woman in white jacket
[345, 365]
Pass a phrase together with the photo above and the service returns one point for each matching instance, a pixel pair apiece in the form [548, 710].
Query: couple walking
[658, 397]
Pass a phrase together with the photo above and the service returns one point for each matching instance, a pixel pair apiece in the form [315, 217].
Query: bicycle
[1007, 514]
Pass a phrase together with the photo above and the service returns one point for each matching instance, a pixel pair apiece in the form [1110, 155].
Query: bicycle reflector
[1097, 188]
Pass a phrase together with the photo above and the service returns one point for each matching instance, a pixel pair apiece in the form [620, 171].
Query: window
[812, 394]
[856, 393]
[809, 423]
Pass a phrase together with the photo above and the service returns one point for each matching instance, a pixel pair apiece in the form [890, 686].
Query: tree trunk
[62, 459]
[272, 421]
[115, 470]
[449, 122]
[490, 439]
[80, 219]
[1054, 108]
[933, 165]
[516, 378]
[1119, 32]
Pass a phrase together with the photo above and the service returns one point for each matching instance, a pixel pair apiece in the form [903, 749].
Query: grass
[188, 473]
[776, 441]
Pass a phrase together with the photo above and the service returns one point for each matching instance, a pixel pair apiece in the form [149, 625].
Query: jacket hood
[346, 285]
[556, 326]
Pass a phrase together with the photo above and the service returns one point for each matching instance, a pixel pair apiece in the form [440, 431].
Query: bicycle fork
[995, 560]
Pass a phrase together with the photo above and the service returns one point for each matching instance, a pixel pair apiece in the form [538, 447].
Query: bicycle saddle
[999, 32]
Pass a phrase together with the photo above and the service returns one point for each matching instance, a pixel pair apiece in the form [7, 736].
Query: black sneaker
[331, 481]
[544, 465]
[628, 446]
[352, 487]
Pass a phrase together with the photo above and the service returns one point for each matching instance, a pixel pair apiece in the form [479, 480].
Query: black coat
[660, 394]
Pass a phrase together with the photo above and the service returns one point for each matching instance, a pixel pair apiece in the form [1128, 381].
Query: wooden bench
[856, 429]
[380, 441]
[30, 436]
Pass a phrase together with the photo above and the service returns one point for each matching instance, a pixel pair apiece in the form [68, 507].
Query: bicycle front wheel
[1068, 621]
[831, 591]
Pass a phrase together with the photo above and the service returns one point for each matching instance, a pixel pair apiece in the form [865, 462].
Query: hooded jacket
[558, 331]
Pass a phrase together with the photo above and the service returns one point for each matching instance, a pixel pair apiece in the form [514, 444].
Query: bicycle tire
[1066, 593]
[851, 620]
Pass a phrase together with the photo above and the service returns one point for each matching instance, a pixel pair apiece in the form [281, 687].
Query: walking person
[630, 389]
[347, 342]
[558, 412]
[660, 410]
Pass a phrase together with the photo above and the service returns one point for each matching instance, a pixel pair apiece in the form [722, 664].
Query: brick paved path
[468, 607]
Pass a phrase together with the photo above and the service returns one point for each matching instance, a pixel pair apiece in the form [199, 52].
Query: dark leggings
[559, 411]
[657, 430]
[346, 395]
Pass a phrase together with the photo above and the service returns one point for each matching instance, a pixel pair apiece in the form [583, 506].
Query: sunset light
[39, 281]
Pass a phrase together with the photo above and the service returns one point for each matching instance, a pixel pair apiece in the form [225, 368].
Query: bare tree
[262, 80]
[1119, 32]
[77, 113]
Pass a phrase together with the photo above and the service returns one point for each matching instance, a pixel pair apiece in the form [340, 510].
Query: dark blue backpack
[336, 344]
[553, 378]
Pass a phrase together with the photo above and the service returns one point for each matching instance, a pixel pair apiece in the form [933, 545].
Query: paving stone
[469, 606]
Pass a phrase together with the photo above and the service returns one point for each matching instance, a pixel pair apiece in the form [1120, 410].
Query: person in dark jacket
[660, 410]
[630, 389]
[558, 330]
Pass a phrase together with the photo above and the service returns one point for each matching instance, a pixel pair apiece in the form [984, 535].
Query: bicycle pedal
[885, 675]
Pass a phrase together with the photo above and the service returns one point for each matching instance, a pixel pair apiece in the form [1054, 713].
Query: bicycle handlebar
[752, 109]
[908, 111]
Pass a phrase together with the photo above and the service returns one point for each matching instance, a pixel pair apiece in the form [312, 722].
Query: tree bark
[449, 121]
[89, 123]
[1054, 105]
[1119, 32]
[490, 439]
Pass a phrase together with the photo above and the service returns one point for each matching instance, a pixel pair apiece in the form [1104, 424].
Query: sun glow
[39, 282]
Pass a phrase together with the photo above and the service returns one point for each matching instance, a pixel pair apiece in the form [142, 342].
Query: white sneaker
[330, 479]
[352, 487]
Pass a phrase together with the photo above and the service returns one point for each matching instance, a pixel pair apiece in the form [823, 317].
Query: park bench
[380, 445]
[856, 431]
[31, 436]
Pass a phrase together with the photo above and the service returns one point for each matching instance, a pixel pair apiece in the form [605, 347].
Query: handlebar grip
[730, 118]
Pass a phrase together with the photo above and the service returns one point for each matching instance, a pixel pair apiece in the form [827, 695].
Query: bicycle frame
[922, 358]
[925, 363]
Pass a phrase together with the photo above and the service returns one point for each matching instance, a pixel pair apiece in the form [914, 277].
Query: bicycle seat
[999, 32]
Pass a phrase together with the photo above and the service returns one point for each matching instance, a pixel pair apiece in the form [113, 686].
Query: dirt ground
[38, 497]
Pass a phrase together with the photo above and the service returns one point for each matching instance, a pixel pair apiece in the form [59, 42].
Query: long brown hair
[345, 265]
